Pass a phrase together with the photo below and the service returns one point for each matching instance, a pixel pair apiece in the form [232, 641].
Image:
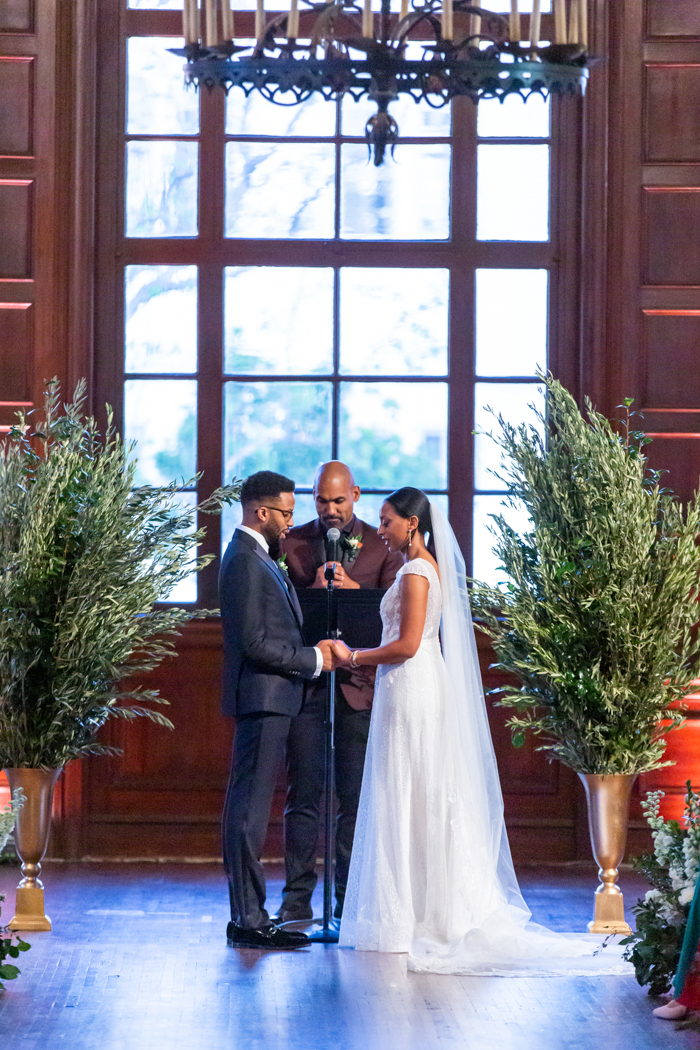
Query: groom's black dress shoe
[268, 939]
[292, 915]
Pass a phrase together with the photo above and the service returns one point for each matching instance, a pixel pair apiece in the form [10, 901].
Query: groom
[265, 666]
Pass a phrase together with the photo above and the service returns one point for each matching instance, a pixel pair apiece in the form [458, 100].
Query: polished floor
[138, 959]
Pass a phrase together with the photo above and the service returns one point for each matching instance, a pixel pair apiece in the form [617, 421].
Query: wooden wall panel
[678, 455]
[16, 338]
[17, 16]
[672, 96]
[17, 94]
[672, 253]
[672, 358]
[16, 198]
[164, 796]
[673, 18]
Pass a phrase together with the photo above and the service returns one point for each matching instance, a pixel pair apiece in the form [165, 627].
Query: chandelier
[346, 48]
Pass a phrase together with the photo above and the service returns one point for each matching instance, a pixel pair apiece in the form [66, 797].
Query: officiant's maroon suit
[373, 567]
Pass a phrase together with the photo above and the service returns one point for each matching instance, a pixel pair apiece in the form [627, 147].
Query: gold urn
[31, 839]
[608, 799]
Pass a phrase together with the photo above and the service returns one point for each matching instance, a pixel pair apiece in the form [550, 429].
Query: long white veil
[488, 928]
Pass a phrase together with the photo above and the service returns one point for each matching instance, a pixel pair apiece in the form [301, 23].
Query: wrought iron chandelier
[467, 50]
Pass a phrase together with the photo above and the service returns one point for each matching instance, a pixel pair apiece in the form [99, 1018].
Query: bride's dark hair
[409, 501]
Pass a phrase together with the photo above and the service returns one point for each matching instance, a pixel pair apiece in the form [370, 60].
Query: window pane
[277, 426]
[394, 434]
[512, 193]
[369, 505]
[512, 401]
[161, 189]
[280, 189]
[514, 117]
[161, 415]
[162, 4]
[185, 590]
[158, 103]
[405, 200]
[485, 560]
[511, 322]
[413, 118]
[393, 322]
[278, 319]
[254, 115]
[161, 318]
[304, 510]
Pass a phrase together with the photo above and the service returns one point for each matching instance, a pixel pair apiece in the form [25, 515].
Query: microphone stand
[328, 934]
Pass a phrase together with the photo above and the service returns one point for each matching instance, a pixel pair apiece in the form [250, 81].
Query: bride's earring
[410, 537]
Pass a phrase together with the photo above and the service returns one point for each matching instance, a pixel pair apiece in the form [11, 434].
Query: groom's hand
[326, 648]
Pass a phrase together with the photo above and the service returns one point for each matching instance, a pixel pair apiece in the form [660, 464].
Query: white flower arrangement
[673, 869]
[9, 816]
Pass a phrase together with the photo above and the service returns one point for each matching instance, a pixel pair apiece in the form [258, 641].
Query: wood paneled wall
[638, 310]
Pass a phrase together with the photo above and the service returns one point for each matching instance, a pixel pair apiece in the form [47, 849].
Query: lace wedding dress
[431, 872]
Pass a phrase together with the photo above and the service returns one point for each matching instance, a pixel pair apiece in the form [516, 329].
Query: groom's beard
[274, 545]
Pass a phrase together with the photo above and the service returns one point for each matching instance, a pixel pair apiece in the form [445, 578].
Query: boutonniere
[282, 564]
[352, 544]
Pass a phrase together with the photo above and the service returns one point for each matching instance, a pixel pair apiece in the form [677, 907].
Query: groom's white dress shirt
[266, 547]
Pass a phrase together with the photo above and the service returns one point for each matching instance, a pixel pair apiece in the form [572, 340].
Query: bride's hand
[341, 654]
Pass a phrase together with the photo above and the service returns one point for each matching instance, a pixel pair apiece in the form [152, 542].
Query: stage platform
[138, 961]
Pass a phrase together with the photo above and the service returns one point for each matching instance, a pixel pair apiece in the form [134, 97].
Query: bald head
[336, 494]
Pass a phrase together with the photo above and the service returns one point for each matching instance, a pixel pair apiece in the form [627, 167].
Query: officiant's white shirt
[266, 547]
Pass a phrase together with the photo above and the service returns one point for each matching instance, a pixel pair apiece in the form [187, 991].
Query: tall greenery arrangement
[595, 623]
[84, 557]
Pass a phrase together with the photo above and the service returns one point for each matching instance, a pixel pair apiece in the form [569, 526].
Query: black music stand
[352, 616]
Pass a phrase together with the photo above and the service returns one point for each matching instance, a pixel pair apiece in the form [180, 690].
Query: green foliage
[11, 946]
[655, 947]
[596, 621]
[83, 558]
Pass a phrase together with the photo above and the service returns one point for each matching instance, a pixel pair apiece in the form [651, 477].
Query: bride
[431, 872]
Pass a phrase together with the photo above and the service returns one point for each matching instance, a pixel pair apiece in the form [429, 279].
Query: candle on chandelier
[189, 21]
[404, 9]
[583, 23]
[227, 19]
[259, 19]
[514, 22]
[573, 22]
[367, 20]
[447, 20]
[211, 32]
[559, 21]
[535, 22]
[474, 25]
[293, 21]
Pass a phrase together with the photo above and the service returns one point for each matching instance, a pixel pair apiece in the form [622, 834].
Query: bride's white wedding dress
[431, 872]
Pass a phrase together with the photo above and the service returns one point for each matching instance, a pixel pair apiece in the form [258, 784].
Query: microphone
[333, 535]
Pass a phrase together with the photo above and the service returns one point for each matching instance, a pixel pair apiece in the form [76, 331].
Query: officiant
[364, 562]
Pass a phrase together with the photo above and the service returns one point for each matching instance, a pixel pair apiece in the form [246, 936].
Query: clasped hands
[335, 654]
[341, 578]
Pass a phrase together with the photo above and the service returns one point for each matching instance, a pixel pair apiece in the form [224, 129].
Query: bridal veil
[484, 924]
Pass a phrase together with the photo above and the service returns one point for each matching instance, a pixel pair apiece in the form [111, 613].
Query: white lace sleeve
[419, 567]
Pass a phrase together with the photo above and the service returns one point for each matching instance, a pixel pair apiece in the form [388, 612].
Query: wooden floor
[138, 961]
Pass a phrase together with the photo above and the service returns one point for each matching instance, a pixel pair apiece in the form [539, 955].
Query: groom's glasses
[286, 514]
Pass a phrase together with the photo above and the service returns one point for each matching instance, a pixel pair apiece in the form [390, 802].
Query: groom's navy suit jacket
[265, 659]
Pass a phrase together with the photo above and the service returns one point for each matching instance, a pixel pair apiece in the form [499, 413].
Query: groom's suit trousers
[258, 752]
